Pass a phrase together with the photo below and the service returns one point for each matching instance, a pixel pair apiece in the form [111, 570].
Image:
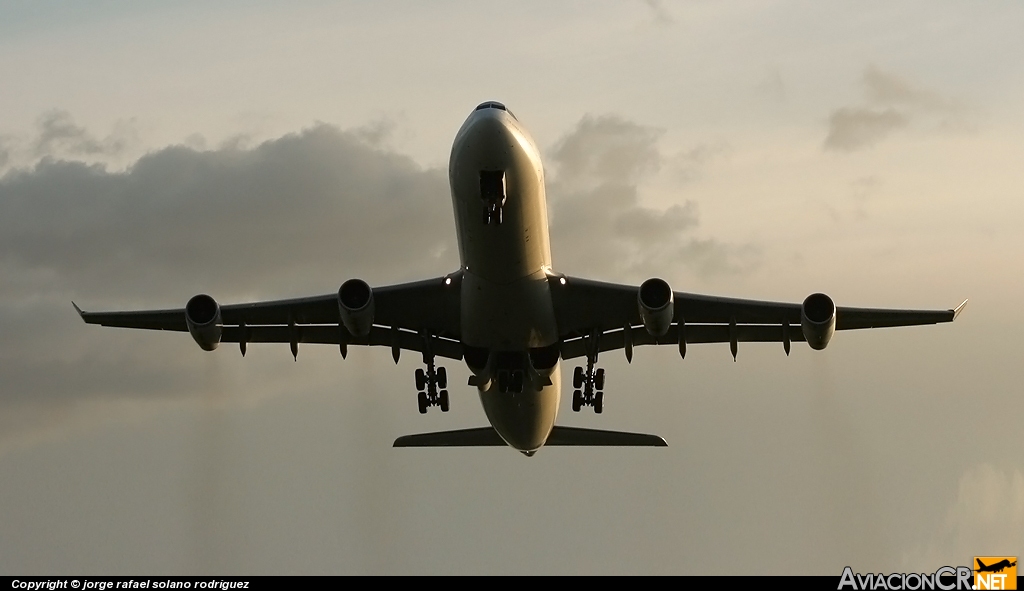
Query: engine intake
[355, 304]
[202, 316]
[818, 320]
[656, 301]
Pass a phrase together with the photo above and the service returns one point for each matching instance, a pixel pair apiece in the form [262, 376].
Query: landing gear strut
[428, 382]
[592, 383]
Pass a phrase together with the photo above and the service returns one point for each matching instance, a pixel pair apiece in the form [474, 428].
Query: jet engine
[656, 306]
[202, 316]
[818, 320]
[355, 304]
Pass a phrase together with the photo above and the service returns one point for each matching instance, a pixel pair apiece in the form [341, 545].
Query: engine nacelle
[355, 304]
[202, 316]
[657, 306]
[818, 320]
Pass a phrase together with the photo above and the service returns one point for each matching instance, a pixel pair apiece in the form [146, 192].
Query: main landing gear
[592, 383]
[428, 382]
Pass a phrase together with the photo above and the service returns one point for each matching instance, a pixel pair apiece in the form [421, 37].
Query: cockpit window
[494, 105]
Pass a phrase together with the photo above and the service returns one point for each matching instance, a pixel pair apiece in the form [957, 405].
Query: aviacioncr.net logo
[946, 578]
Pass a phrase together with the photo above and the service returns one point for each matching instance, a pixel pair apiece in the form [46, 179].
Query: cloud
[894, 104]
[660, 14]
[313, 207]
[888, 89]
[853, 128]
[987, 518]
[58, 135]
[296, 215]
[599, 226]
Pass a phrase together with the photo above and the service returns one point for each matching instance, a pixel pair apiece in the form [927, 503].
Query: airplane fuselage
[506, 304]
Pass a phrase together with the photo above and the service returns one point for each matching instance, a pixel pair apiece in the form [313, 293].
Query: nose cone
[489, 126]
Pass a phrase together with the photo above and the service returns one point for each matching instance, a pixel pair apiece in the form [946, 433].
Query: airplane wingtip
[956, 311]
[79, 310]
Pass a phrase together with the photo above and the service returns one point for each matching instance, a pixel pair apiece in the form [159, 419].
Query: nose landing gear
[492, 192]
[510, 381]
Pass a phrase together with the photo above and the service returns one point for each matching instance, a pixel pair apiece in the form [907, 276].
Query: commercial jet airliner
[507, 313]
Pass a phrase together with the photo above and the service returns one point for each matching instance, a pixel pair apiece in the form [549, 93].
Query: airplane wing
[411, 316]
[606, 316]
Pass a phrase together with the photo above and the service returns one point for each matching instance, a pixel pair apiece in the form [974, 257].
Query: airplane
[507, 314]
[994, 568]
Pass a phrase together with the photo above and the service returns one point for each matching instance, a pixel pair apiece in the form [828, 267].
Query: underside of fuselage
[508, 321]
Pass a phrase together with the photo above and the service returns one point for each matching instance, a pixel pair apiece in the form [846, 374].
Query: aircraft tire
[577, 377]
[442, 378]
[444, 400]
[599, 379]
[421, 380]
[422, 399]
[577, 400]
[599, 402]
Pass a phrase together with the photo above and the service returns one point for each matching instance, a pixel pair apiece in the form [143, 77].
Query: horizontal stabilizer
[596, 437]
[479, 437]
[560, 436]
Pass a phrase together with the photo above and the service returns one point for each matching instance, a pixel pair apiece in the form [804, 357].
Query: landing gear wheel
[577, 377]
[424, 403]
[577, 400]
[421, 380]
[442, 378]
[599, 402]
[444, 400]
[599, 379]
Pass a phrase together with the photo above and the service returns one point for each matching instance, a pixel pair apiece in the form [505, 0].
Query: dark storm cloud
[599, 226]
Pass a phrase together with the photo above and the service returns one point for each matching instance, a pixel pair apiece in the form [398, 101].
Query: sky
[151, 151]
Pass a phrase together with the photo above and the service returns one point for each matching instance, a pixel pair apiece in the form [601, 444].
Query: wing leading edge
[598, 316]
[419, 316]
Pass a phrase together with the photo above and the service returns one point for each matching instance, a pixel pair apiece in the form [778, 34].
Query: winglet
[79, 310]
[956, 311]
